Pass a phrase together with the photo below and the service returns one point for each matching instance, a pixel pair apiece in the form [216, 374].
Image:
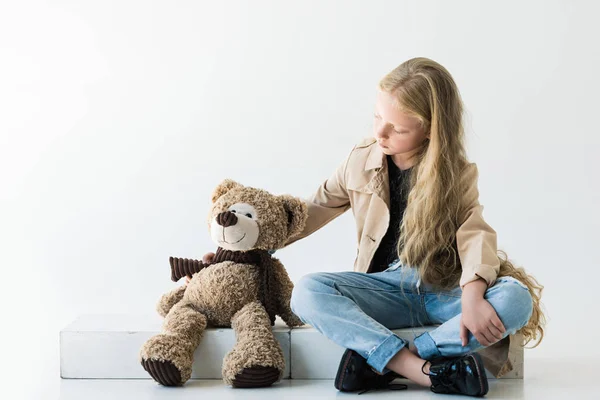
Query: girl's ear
[223, 188]
[297, 212]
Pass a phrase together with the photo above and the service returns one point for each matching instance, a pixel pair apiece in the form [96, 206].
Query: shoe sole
[339, 377]
[483, 382]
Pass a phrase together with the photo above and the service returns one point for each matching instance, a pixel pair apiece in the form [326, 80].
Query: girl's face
[395, 131]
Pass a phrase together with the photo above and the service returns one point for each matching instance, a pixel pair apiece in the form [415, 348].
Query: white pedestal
[107, 347]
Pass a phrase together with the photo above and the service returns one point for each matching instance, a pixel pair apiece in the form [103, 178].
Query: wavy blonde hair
[425, 89]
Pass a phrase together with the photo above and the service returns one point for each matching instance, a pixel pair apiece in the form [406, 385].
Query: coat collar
[378, 183]
[375, 158]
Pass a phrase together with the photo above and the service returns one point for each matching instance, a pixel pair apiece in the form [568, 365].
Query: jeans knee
[304, 292]
[517, 305]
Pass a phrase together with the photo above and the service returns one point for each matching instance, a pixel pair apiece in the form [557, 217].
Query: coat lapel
[376, 179]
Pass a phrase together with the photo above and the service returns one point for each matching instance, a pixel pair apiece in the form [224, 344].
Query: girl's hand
[480, 318]
[206, 259]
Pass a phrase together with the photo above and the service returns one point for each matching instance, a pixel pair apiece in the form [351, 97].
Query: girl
[425, 254]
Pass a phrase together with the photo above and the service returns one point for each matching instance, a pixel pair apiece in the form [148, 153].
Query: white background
[118, 118]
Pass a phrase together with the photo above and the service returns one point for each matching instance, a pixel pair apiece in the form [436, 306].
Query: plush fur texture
[182, 330]
[168, 300]
[255, 345]
[246, 296]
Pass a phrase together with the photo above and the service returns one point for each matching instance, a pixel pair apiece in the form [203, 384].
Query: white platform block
[107, 347]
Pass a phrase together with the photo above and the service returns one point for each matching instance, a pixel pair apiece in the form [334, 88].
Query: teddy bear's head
[245, 218]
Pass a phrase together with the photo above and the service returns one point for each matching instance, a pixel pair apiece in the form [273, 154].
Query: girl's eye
[376, 116]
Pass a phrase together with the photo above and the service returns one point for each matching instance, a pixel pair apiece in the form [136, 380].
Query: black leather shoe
[458, 375]
[355, 374]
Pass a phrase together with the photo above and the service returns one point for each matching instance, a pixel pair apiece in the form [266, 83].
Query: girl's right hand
[206, 259]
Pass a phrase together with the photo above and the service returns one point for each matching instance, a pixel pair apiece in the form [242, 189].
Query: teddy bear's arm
[283, 294]
[168, 300]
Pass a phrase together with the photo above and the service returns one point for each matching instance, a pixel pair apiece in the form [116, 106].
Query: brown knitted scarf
[181, 267]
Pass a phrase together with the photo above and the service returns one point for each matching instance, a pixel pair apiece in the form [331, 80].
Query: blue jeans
[357, 310]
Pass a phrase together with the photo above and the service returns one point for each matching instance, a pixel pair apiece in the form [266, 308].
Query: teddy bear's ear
[223, 188]
[297, 212]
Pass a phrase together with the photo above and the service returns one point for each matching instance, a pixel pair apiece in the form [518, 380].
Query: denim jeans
[358, 310]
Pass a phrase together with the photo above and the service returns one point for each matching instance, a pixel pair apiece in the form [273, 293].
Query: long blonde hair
[425, 89]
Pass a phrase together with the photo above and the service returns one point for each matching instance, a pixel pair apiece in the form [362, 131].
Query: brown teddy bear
[243, 287]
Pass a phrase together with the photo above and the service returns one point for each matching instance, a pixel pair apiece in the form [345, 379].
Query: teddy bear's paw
[293, 321]
[257, 376]
[163, 353]
[163, 372]
[254, 363]
[168, 300]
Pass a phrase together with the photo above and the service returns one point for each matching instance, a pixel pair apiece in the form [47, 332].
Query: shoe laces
[448, 372]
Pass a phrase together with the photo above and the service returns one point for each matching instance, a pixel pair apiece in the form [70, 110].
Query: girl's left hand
[480, 318]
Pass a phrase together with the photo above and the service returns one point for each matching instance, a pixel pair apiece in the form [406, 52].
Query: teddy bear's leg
[257, 359]
[168, 356]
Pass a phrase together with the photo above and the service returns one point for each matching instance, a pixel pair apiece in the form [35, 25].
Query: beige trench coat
[361, 183]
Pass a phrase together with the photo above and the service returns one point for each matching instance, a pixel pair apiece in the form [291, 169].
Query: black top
[386, 253]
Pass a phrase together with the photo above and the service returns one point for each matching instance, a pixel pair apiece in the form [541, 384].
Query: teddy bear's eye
[248, 215]
[232, 211]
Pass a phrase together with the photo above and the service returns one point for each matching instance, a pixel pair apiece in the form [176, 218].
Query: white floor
[545, 379]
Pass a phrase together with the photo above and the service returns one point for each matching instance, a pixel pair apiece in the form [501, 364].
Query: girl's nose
[380, 131]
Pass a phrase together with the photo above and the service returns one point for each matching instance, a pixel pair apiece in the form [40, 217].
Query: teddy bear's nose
[226, 218]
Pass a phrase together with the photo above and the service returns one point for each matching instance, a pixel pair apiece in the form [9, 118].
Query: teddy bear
[244, 287]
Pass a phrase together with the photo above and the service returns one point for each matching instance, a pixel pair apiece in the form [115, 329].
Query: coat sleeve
[329, 202]
[476, 240]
